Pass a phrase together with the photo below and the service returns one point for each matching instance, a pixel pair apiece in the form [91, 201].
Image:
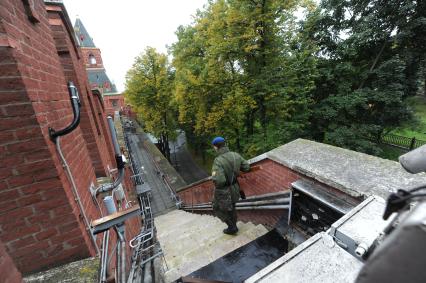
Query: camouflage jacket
[225, 170]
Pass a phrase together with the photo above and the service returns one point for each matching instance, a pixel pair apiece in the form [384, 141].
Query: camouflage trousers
[227, 216]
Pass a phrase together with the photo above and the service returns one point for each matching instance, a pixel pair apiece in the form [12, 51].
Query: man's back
[227, 166]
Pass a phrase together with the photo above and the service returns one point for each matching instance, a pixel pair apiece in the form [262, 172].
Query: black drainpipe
[75, 102]
[55, 137]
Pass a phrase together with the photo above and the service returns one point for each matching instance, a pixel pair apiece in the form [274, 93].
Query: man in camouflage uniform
[226, 168]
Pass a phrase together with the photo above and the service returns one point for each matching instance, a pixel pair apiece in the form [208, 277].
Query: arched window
[92, 59]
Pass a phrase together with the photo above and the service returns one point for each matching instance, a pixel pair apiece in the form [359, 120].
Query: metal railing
[145, 246]
[116, 220]
[402, 142]
[138, 173]
[281, 200]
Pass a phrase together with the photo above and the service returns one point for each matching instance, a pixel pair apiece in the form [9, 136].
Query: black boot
[232, 228]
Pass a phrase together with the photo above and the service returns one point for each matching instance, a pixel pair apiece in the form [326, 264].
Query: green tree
[366, 68]
[244, 70]
[208, 92]
[149, 88]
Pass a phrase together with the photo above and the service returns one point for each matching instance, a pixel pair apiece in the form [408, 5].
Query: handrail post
[413, 143]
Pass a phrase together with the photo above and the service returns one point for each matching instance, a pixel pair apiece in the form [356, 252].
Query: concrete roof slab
[355, 173]
[318, 259]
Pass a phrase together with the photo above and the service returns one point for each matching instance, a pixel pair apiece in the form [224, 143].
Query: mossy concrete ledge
[81, 271]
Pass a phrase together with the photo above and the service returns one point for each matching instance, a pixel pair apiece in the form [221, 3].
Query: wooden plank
[116, 215]
[252, 169]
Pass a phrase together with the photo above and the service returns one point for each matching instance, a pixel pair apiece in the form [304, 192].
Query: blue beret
[217, 140]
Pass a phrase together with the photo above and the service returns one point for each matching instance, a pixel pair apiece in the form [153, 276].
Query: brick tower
[113, 100]
[93, 60]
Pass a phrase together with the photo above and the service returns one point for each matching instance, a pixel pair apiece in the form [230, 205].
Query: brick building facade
[98, 78]
[113, 102]
[41, 224]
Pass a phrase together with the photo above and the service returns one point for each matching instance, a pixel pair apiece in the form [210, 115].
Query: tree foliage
[149, 88]
[264, 72]
[369, 58]
[243, 70]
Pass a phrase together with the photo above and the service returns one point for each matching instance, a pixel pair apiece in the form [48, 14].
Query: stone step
[190, 241]
[194, 227]
[204, 253]
[193, 222]
[173, 218]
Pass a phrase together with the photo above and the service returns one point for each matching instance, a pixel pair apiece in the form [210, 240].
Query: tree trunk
[250, 123]
[237, 133]
[203, 154]
[411, 72]
[167, 147]
[263, 117]
[424, 75]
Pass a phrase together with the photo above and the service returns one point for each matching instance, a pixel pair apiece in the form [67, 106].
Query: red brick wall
[273, 177]
[8, 271]
[98, 105]
[109, 108]
[127, 111]
[40, 222]
[87, 51]
[74, 70]
[96, 120]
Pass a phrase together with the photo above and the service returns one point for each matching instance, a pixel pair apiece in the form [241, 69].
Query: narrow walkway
[161, 200]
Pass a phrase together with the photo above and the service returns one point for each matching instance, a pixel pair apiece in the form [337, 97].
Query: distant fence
[402, 142]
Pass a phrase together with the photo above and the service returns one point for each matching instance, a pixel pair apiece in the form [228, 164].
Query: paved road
[161, 200]
[184, 163]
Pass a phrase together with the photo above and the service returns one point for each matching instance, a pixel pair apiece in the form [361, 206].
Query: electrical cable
[408, 197]
[415, 189]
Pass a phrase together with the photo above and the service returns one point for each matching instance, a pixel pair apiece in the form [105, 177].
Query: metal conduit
[55, 137]
[244, 204]
[250, 199]
[267, 196]
[118, 270]
[252, 203]
[75, 192]
[115, 144]
[104, 258]
[243, 207]
[118, 159]
[121, 260]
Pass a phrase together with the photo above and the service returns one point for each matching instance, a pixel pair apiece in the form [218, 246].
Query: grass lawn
[418, 128]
